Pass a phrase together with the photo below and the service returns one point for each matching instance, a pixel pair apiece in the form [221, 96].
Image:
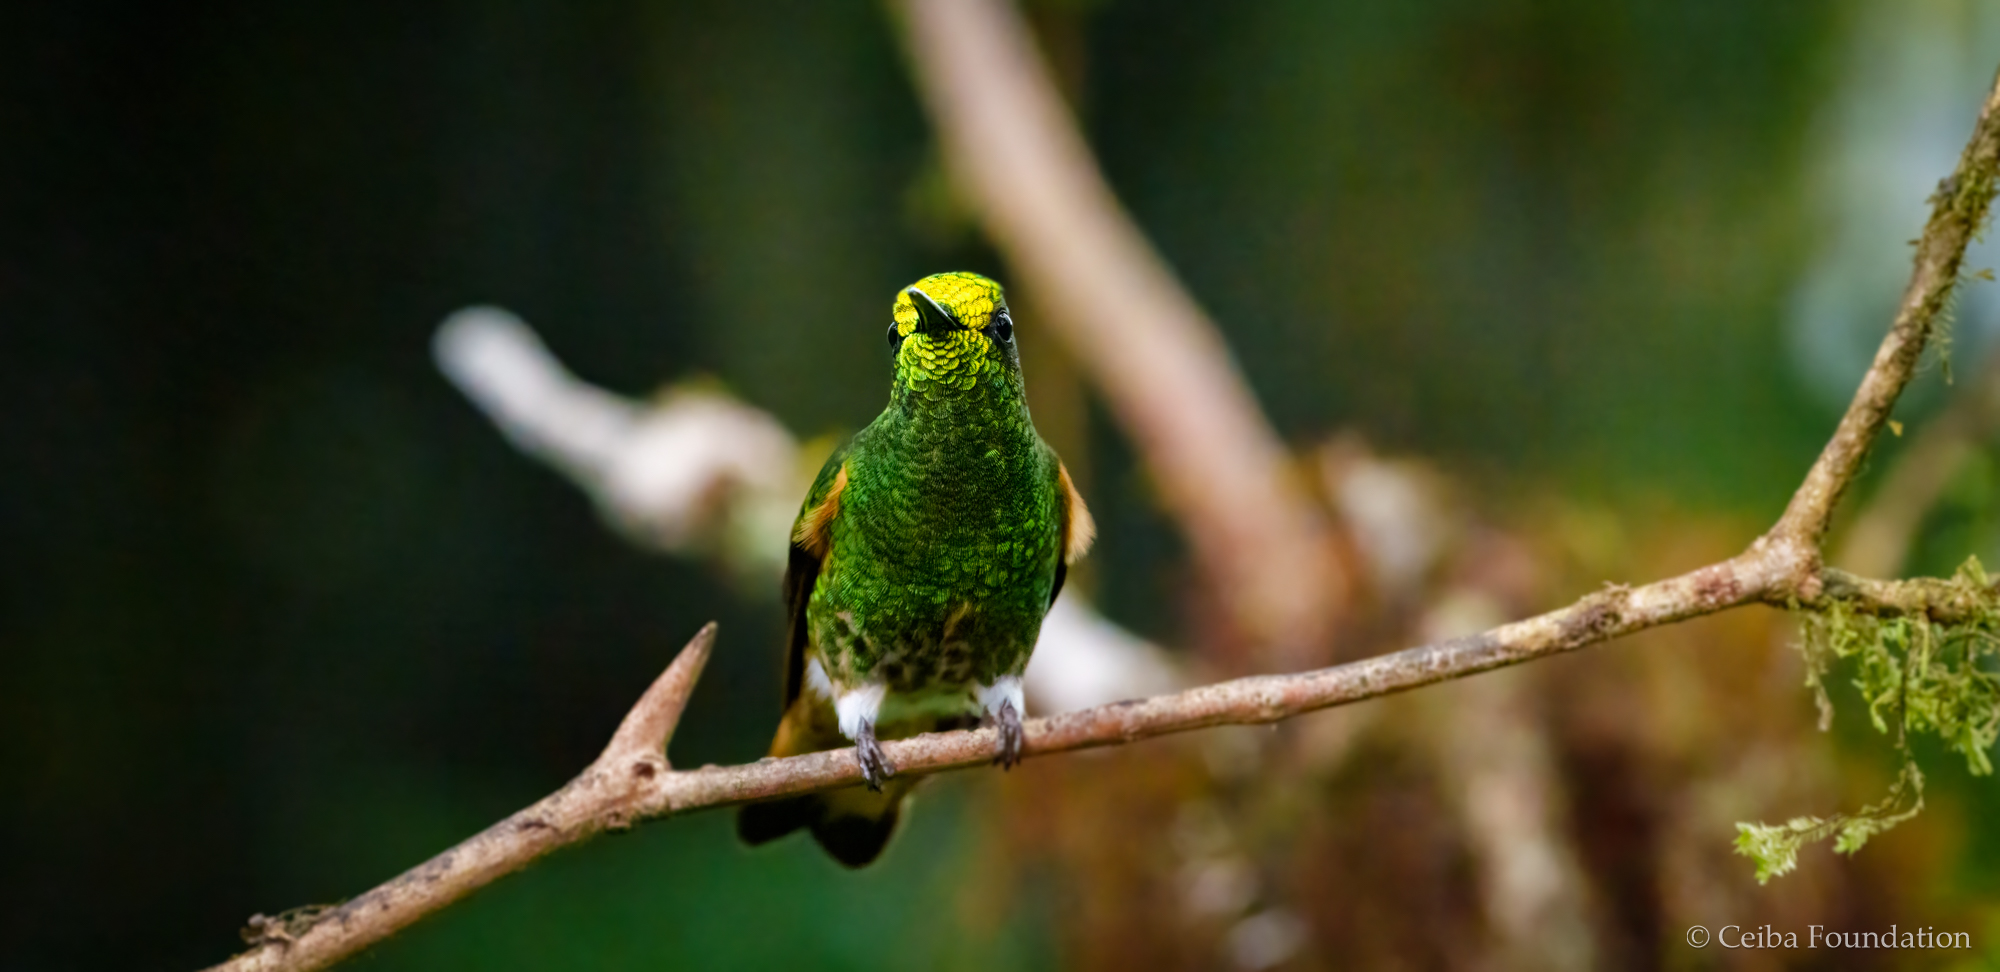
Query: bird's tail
[853, 824]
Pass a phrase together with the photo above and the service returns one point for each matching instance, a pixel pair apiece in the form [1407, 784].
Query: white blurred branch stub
[698, 472]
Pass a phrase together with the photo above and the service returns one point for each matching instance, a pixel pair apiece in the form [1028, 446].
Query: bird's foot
[875, 768]
[1012, 738]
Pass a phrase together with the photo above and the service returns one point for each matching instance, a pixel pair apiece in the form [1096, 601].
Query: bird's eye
[1002, 326]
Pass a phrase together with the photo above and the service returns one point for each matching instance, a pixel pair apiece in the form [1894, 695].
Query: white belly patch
[872, 703]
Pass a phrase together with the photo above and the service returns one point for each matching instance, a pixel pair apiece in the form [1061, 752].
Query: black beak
[932, 319]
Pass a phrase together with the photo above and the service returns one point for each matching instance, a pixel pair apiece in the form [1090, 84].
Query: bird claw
[1012, 738]
[875, 768]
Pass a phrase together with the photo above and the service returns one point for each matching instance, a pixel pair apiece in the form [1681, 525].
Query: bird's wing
[811, 537]
[1076, 529]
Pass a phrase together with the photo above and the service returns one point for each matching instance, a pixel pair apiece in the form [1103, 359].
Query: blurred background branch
[1012, 147]
[698, 473]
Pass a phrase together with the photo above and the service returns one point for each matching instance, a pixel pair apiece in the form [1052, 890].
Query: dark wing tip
[856, 841]
[759, 823]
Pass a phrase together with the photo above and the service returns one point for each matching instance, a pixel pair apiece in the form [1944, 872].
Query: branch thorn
[650, 725]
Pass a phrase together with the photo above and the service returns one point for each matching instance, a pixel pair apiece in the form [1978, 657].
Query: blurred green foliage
[1506, 232]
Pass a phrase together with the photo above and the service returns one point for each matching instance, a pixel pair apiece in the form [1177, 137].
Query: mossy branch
[1923, 653]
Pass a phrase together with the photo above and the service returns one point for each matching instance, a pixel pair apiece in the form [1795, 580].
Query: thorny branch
[607, 795]
[632, 780]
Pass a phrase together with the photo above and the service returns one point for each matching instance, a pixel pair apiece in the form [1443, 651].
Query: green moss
[1775, 847]
[1916, 675]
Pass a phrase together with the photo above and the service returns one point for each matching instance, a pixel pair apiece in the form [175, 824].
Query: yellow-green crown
[969, 298]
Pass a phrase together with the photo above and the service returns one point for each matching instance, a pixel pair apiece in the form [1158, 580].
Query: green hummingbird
[922, 562]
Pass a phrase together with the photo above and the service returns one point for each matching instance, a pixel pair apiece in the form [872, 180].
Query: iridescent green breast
[944, 553]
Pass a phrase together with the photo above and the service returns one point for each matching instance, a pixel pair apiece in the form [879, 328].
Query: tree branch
[1937, 599]
[605, 796]
[632, 781]
[1958, 212]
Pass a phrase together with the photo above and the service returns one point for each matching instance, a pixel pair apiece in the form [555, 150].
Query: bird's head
[952, 333]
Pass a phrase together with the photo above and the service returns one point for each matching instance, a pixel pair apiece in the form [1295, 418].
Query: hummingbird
[922, 562]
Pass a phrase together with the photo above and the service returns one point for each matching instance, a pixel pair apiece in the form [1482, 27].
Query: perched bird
[922, 562]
